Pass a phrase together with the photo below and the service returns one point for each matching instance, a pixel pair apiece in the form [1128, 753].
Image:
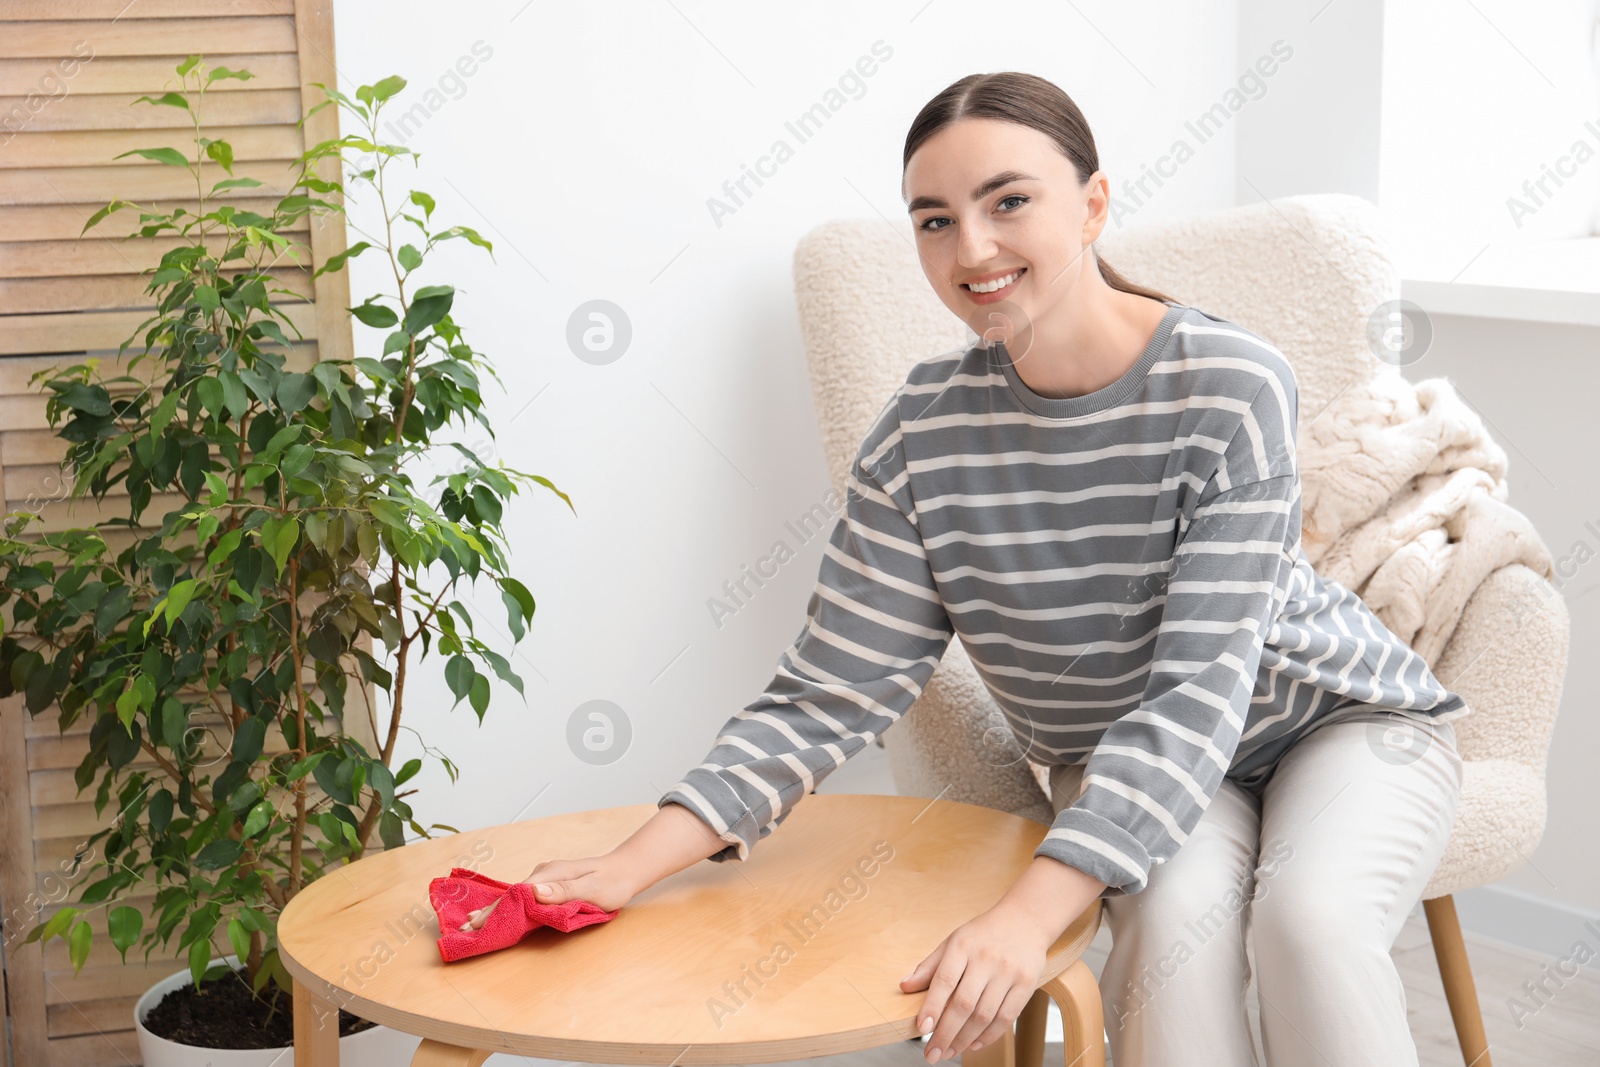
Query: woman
[1102, 499]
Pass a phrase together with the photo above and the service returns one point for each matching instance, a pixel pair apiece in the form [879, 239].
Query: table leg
[1030, 1029]
[1077, 994]
[316, 1029]
[433, 1053]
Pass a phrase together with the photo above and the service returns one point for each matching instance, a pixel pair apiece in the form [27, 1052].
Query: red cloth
[518, 913]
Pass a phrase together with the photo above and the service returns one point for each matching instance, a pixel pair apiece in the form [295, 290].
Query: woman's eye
[927, 224]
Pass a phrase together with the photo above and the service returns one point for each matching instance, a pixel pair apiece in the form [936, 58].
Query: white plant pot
[376, 1046]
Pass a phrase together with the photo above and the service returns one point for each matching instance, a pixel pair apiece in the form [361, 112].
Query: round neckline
[1071, 407]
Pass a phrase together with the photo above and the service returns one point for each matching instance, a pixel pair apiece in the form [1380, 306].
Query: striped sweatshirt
[1124, 569]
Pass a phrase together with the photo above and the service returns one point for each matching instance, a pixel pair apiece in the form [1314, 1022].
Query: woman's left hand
[982, 976]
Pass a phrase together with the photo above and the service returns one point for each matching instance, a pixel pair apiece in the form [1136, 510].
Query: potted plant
[299, 535]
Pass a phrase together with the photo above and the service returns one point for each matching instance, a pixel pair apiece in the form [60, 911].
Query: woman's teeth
[998, 283]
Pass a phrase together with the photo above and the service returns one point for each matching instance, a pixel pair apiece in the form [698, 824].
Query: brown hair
[1031, 101]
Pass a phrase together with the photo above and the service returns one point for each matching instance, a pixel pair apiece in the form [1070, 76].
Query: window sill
[1546, 281]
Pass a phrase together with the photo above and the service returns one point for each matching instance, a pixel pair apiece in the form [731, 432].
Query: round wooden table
[797, 952]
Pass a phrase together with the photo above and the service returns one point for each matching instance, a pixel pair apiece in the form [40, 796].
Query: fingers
[476, 917]
[968, 1012]
[940, 1007]
[1010, 1009]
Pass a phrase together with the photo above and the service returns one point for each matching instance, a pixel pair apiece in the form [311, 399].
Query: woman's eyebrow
[1005, 177]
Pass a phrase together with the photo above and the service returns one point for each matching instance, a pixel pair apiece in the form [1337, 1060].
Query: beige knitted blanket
[1408, 492]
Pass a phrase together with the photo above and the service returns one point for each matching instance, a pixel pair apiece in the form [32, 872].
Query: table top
[796, 952]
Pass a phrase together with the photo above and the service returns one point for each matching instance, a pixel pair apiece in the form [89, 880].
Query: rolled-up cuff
[705, 793]
[1099, 847]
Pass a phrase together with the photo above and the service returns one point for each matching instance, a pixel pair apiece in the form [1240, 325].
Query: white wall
[587, 146]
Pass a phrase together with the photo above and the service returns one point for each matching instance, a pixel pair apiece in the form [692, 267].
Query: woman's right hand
[597, 879]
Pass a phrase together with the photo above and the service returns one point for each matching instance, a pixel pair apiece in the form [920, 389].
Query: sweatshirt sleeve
[1154, 771]
[875, 630]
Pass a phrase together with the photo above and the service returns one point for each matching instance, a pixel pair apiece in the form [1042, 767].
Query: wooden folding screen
[69, 70]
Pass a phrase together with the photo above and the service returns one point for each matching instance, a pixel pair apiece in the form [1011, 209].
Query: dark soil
[225, 1014]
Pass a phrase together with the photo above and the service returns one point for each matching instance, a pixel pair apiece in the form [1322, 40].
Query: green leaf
[235, 183]
[222, 152]
[218, 73]
[338, 260]
[207, 297]
[487, 503]
[166, 100]
[219, 854]
[469, 233]
[99, 216]
[259, 817]
[278, 536]
[211, 395]
[375, 315]
[91, 399]
[170, 156]
[127, 705]
[458, 674]
[57, 923]
[165, 411]
[431, 304]
[124, 924]
[178, 598]
[424, 201]
[78, 945]
[248, 741]
[295, 391]
[160, 811]
[234, 396]
[479, 696]
[239, 938]
[409, 257]
[199, 957]
[520, 593]
[383, 90]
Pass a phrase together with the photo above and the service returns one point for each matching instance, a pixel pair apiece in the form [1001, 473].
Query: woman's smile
[1015, 277]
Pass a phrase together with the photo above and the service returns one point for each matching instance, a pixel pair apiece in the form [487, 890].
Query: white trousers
[1320, 872]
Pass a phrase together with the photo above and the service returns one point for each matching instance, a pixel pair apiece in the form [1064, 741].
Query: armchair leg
[1459, 988]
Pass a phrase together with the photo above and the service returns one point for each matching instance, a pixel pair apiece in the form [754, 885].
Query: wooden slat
[107, 111]
[64, 222]
[114, 1048]
[138, 183]
[83, 148]
[27, 10]
[96, 292]
[137, 75]
[79, 331]
[70, 74]
[88, 147]
[16, 372]
[315, 19]
[89, 1018]
[51, 39]
[133, 255]
[24, 970]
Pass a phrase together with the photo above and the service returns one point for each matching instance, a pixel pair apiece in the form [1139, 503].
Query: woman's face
[989, 199]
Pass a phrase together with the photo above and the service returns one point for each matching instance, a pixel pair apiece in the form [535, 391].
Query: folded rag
[518, 913]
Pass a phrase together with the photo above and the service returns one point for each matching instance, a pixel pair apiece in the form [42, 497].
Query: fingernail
[543, 890]
[976, 1044]
[933, 1057]
[926, 1024]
